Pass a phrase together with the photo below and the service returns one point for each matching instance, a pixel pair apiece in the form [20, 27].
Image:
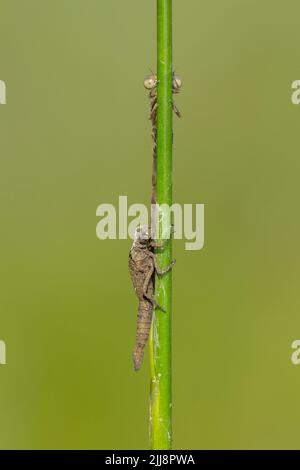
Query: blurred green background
[75, 134]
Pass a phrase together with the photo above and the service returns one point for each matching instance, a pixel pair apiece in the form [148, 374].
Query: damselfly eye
[150, 82]
[177, 82]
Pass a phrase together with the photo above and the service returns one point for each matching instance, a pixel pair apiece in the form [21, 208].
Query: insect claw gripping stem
[155, 304]
[158, 270]
[158, 246]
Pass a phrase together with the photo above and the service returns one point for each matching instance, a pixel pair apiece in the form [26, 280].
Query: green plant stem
[160, 343]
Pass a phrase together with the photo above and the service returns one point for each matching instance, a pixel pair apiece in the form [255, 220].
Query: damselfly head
[177, 82]
[150, 81]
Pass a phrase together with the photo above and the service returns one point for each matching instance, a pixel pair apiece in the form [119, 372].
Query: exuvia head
[177, 82]
[150, 81]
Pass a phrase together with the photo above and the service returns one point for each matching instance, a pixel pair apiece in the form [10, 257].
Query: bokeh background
[75, 134]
